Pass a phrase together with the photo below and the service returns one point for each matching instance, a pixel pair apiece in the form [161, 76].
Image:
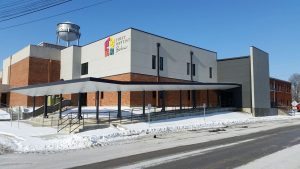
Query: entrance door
[226, 99]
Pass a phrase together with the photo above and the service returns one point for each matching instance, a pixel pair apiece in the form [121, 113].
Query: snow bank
[44, 139]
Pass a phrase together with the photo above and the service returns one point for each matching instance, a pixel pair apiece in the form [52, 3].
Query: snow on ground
[286, 158]
[4, 115]
[103, 111]
[27, 138]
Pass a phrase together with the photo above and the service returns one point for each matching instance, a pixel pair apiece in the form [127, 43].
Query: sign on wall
[109, 46]
[115, 45]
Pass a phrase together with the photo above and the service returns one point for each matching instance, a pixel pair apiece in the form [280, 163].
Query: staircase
[50, 109]
[70, 123]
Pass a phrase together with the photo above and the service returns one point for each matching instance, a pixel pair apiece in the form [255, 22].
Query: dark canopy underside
[90, 84]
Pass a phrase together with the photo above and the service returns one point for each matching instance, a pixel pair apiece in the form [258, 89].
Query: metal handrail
[169, 113]
[72, 124]
[58, 130]
[61, 121]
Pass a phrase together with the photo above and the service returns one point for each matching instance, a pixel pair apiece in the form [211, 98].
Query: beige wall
[260, 81]
[253, 73]
[135, 56]
[175, 54]
[237, 70]
[101, 65]
[71, 63]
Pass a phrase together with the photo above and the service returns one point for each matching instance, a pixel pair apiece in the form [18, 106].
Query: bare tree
[295, 81]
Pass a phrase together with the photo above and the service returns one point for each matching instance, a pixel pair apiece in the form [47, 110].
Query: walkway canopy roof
[90, 84]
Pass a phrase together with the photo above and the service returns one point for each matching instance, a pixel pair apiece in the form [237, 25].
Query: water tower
[68, 32]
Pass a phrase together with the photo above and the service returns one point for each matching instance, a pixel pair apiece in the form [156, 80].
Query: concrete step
[93, 127]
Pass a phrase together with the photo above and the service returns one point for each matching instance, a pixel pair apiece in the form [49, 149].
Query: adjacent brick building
[280, 93]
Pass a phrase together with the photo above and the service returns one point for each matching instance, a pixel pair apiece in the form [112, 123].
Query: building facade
[134, 55]
[252, 72]
[138, 56]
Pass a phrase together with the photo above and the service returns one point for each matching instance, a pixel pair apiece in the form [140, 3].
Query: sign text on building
[115, 45]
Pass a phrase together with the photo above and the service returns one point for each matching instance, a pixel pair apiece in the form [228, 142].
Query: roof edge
[233, 58]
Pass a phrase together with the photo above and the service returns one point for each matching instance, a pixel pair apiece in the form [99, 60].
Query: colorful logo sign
[109, 46]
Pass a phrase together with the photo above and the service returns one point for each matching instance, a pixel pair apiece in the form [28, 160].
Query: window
[161, 63]
[153, 62]
[194, 69]
[84, 68]
[210, 72]
[188, 68]
[102, 95]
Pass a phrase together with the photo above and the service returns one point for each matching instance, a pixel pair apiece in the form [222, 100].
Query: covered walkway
[90, 84]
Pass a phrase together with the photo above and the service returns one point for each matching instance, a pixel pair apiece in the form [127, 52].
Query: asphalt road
[219, 154]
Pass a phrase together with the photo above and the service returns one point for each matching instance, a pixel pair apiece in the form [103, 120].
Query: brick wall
[282, 90]
[31, 71]
[134, 99]
[37, 71]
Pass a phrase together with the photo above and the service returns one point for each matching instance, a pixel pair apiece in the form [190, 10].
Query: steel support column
[219, 98]
[180, 100]
[163, 107]
[193, 99]
[33, 106]
[97, 106]
[144, 102]
[60, 105]
[119, 105]
[45, 106]
[79, 115]
[207, 98]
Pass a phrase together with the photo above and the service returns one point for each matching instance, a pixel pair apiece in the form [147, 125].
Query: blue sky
[228, 27]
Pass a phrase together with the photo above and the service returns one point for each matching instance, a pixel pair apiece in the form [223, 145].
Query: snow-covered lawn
[45, 139]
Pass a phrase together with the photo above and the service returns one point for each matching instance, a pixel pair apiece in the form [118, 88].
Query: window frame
[161, 63]
[85, 68]
[194, 69]
[153, 62]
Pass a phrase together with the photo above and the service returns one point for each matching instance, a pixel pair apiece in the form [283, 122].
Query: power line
[30, 11]
[13, 3]
[52, 16]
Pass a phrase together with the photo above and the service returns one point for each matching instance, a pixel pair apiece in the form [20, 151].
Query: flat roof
[233, 58]
[91, 84]
[276, 79]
